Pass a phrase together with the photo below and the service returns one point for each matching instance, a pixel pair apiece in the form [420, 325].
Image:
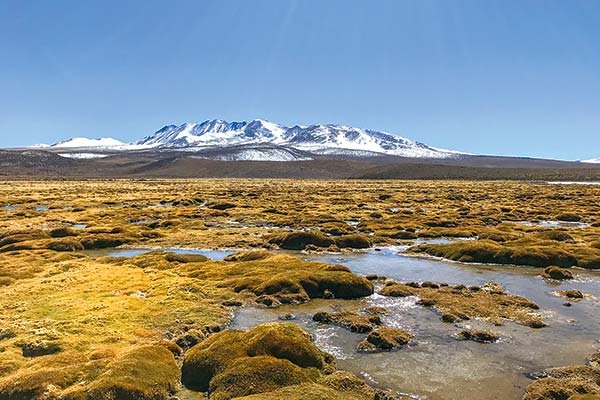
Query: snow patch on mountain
[81, 142]
[313, 138]
[257, 155]
[592, 161]
[215, 133]
[296, 142]
[83, 156]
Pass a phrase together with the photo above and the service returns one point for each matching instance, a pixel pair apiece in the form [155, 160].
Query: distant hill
[261, 140]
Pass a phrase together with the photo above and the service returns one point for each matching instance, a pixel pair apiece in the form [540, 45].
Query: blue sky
[513, 77]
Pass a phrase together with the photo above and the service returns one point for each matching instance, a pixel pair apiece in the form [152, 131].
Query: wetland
[299, 289]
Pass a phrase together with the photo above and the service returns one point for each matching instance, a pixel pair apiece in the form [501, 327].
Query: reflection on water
[574, 183]
[161, 205]
[127, 252]
[10, 207]
[439, 366]
[554, 224]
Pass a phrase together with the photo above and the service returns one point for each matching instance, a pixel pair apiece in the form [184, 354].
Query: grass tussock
[530, 253]
[349, 319]
[576, 382]
[253, 355]
[385, 339]
[270, 361]
[459, 303]
[74, 324]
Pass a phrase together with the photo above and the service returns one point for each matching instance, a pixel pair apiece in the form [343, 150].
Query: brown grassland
[78, 325]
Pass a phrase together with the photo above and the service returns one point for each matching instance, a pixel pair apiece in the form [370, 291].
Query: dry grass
[97, 315]
[73, 324]
[576, 382]
[456, 303]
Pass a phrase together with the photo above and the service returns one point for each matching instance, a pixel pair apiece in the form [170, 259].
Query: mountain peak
[315, 138]
[318, 137]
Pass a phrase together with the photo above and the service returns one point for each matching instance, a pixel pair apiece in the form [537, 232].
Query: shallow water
[10, 207]
[554, 224]
[573, 183]
[143, 221]
[438, 366]
[132, 252]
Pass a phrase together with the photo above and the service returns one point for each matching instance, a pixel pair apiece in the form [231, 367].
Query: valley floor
[149, 289]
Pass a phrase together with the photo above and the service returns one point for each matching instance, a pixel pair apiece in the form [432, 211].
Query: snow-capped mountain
[326, 139]
[80, 142]
[251, 141]
[216, 133]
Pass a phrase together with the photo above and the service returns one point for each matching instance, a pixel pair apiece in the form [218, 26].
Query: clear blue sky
[515, 77]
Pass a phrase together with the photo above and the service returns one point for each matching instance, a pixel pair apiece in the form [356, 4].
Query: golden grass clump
[141, 373]
[224, 357]
[459, 302]
[89, 314]
[557, 273]
[487, 251]
[478, 335]
[576, 382]
[339, 385]
[385, 339]
[286, 278]
[270, 361]
[349, 319]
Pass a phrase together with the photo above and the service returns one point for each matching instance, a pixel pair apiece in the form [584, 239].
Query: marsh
[88, 295]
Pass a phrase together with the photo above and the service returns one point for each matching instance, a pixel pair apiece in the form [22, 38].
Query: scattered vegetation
[385, 339]
[478, 335]
[576, 382]
[349, 319]
[267, 362]
[557, 273]
[76, 325]
[458, 303]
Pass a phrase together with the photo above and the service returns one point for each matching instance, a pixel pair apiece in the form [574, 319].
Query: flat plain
[133, 289]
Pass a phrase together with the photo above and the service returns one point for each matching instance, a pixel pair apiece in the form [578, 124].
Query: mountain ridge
[318, 138]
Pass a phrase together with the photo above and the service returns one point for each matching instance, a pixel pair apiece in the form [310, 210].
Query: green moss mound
[339, 385]
[185, 258]
[557, 273]
[283, 341]
[487, 251]
[341, 284]
[478, 335]
[144, 373]
[251, 375]
[385, 339]
[568, 217]
[286, 341]
[459, 302]
[565, 382]
[63, 232]
[299, 240]
[396, 290]
[355, 241]
[349, 320]
[556, 235]
[65, 244]
[141, 373]
[248, 256]
[288, 279]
